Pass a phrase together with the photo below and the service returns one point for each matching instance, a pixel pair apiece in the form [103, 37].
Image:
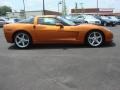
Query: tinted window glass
[80, 17]
[118, 17]
[47, 21]
[16, 20]
[66, 22]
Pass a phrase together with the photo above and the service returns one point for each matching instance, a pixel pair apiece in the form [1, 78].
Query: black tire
[18, 39]
[86, 22]
[97, 41]
[113, 25]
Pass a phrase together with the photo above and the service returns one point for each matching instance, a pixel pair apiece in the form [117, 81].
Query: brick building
[100, 11]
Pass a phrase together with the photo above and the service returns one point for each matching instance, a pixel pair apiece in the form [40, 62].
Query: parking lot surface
[60, 67]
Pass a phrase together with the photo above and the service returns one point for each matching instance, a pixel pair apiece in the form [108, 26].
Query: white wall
[28, 14]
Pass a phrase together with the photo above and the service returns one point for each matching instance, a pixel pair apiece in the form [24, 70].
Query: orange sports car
[55, 30]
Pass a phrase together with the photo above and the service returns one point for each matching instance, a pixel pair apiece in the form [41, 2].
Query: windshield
[66, 21]
[68, 17]
[118, 17]
[89, 17]
[112, 17]
[104, 17]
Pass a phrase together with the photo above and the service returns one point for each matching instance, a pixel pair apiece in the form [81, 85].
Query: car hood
[106, 19]
[84, 27]
[88, 27]
[76, 20]
[114, 20]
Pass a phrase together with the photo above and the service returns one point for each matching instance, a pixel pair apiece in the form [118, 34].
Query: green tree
[4, 9]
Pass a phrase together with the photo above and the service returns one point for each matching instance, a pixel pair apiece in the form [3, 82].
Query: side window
[16, 20]
[80, 17]
[47, 21]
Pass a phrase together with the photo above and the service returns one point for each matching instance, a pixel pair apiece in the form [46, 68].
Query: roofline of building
[38, 11]
[95, 8]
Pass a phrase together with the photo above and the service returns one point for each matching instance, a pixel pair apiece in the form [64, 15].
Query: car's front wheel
[22, 40]
[95, 38]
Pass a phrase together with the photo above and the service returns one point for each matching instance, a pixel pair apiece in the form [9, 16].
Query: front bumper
[109, 37]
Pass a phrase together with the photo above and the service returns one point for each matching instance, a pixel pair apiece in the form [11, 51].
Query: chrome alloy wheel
[95, 39]
[22, 40]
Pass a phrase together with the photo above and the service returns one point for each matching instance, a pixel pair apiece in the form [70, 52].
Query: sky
[53, 4]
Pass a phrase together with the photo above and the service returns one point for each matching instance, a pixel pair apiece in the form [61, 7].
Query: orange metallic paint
[54, 34]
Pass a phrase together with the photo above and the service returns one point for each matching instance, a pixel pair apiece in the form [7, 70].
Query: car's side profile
[89, 19]
[55, 30]
[105, 21]
[2, 22]
[113, 18]
[118, 17]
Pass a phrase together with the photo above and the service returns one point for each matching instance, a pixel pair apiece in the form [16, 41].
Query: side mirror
[60, 24]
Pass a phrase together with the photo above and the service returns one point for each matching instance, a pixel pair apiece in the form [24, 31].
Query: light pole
[59, 5]
[64, 12]
[97, 7]
[97, 4]
[24, 8]
[43, 7]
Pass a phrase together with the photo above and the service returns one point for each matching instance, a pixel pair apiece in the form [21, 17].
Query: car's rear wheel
[22, 40]
[95, 38]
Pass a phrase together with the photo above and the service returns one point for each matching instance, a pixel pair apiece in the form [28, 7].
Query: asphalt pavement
[60, 67]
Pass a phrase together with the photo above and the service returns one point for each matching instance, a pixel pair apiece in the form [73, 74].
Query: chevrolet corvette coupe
[55, 30]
